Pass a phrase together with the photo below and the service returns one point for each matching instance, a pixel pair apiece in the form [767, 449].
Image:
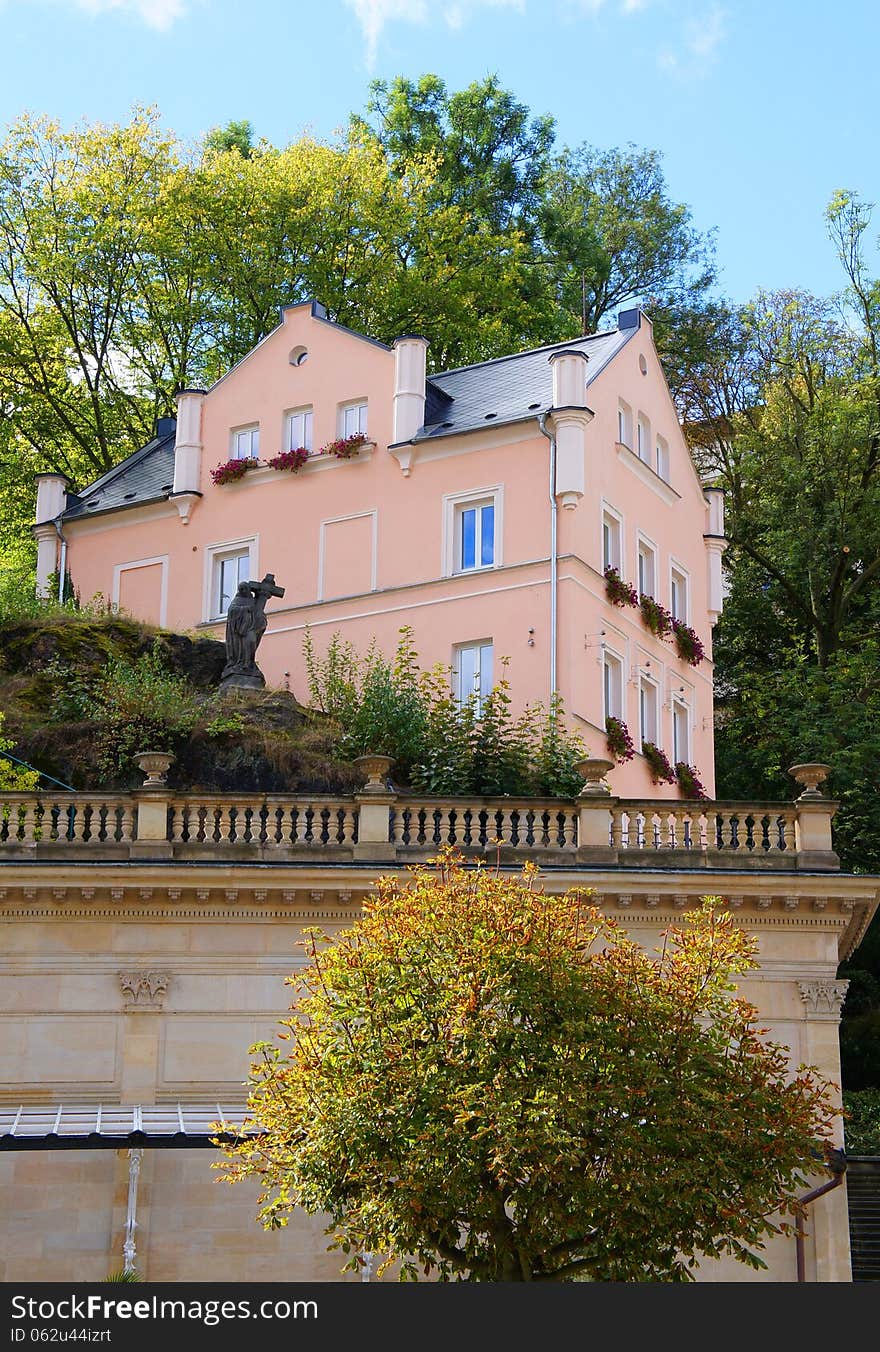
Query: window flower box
[290, 460]
[689, 781]
[656, 617]
[344, 448]
[232, 470]
[687, 643]
[619, 593]
[619, 743]
[661, 770]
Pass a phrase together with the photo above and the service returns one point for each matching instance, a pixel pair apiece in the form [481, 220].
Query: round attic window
[298, 356]
[643, 365]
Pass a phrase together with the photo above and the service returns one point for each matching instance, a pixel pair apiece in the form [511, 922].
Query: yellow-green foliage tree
[13, 778]
[490, 1083]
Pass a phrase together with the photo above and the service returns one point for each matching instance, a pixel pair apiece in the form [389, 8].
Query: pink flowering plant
[656, 617]
[689, 781]
[619, 593]
[619, 743]
[232, 470]
[292, 460]
[661, 770]
[687, 643]
[345, 447]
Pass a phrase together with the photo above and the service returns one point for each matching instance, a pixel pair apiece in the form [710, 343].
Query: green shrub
[438, 745]
[14, 778]
[141, 706]
[863, 1122]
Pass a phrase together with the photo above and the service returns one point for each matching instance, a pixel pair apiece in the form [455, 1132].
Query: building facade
[481, 510]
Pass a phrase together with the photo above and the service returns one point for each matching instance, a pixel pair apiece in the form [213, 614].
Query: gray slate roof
[504, 390]
[507, 389]
[145, 476]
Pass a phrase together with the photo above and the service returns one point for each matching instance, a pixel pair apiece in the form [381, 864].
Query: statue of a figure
[245, 626]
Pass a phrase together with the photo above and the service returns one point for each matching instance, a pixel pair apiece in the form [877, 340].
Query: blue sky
[761, 109]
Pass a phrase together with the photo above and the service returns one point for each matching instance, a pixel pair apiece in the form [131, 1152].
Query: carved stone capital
[823, 998]
[143, 990]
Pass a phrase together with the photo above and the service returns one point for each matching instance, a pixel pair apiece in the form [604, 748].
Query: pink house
[483, 510]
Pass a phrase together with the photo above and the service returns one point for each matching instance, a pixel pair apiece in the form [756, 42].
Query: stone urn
[810, 776]
[376, 769]
[594, 772]
[155, 765]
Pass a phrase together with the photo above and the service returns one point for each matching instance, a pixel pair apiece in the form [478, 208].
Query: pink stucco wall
[361, 547]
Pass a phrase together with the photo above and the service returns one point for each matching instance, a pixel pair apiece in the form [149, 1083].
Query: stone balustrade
[594, 829]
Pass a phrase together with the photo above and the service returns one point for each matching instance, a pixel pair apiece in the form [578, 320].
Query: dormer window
[246, 443]
[298, 432]
[353, 420]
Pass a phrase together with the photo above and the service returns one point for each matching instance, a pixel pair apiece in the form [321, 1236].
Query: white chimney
[716, 543]
[410, 366]
[570, 419]
[188, 451]
[51, 502]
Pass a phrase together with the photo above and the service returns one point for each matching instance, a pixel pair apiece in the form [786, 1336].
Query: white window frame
[479, 646]
[643, 544]
[662, 466]
[681, 709]
[307, 413]
[453, 506]
[359, 407]
[647, 685]
[121, 568]
[624, 424]
[643, 440]
[613, 685]
[239, 436]
[676, 571]
[612, 517]
[213, 555]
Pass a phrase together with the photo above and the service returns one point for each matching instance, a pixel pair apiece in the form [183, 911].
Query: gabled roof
[145, 476]
[507, 389]
[503, 390]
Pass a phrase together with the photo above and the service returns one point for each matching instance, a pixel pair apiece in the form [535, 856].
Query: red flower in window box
[661, 770]
[345, 447]
[619, 593]
[689, 781]
[292, 460]
[619, 743]
[656, 617]
[232, 470]
[687, 643]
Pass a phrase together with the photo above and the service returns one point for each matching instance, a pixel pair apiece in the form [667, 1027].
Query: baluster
[125, 827]
[28, 820]
[346, 826]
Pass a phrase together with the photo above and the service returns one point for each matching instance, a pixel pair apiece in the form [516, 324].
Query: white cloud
[373, 15]
[701, 39]
[705, 35]
[158, 14]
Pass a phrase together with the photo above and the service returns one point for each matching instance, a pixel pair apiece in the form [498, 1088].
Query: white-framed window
[647, 556]
[612, 540]
[678, 593]
[643, 439]
[681, 732]
[663, 458]
[472, 672]
[472, 530]
[612, 686]
[624, 424]
[228, 570]
[298, 430]
[245, 443]
[353, 419]
[648, 711]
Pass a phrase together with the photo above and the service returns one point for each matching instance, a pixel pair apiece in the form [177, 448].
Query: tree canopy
[491, 1083]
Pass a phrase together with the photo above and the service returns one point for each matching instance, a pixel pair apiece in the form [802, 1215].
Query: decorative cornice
[143, 990]
[823, 998]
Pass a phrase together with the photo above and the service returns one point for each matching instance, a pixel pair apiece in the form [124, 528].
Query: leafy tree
[491, 154]
[13, 777]
[611, 234]
[237, 136]
[497, 1084]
